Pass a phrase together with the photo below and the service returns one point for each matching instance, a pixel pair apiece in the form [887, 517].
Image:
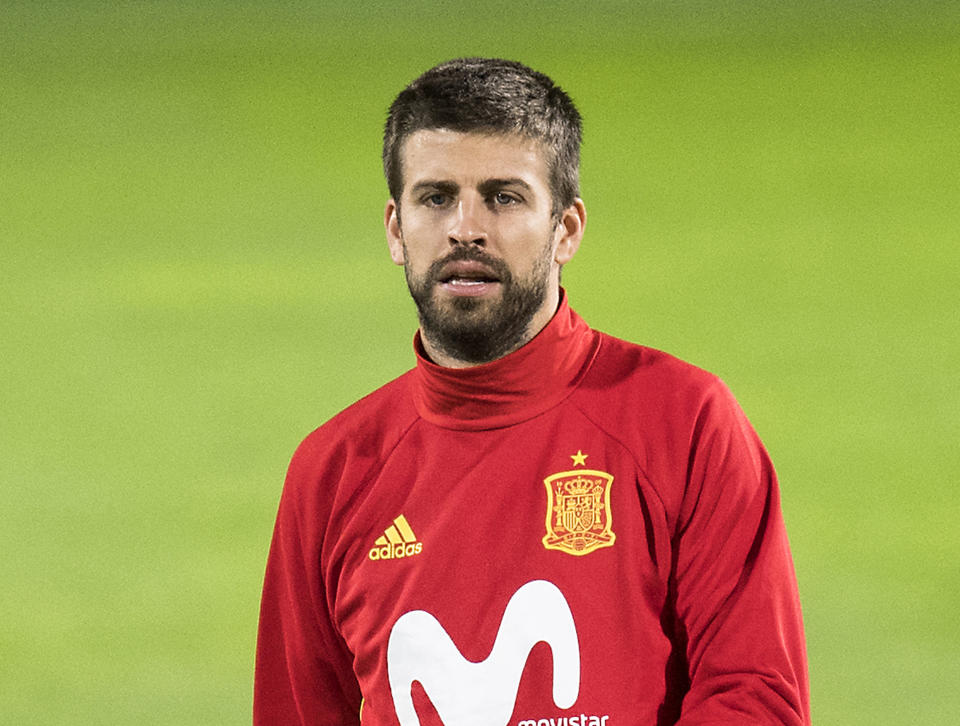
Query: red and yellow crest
[578, 511]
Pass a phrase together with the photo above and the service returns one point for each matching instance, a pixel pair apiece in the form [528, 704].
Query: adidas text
[392, 552]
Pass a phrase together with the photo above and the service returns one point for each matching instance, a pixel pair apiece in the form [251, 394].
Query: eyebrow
[488, 186]
[430, 185]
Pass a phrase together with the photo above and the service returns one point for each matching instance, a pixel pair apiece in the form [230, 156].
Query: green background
[193, 275]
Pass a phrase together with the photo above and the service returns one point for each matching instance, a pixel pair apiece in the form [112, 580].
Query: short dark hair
[489, 95]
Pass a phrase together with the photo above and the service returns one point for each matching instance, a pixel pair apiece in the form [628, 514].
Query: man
[539, 524]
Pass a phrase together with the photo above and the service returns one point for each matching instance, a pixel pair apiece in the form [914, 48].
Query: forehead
[467, 158]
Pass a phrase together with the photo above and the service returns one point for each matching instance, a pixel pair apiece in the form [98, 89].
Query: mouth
[467, 277]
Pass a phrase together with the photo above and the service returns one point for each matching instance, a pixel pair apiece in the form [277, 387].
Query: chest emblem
[578, 511]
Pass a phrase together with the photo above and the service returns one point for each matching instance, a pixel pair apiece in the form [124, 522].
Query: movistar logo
[397, 541]
[484, 693]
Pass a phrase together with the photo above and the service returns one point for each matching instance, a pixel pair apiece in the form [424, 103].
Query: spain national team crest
[578, 511]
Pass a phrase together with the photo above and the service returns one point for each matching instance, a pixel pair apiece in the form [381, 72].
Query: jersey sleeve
[733, 581]
[304, 674]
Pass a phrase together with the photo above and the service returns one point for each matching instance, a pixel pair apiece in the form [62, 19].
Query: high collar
[512, 389]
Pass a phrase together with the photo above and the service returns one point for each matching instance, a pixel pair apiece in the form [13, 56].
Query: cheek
[415, 252]
[419, 232]
[536, 245]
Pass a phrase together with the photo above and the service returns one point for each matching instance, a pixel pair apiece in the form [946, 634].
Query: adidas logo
[398, 541]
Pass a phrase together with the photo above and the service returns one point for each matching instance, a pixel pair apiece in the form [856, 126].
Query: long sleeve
[735, 589]
[304, 671]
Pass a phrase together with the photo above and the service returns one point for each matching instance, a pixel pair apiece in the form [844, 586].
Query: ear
[391, 222]
[569, 232]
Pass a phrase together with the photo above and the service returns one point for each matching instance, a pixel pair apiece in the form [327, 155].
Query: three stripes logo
[398, 541]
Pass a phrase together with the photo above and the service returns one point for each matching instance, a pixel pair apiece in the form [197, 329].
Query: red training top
[585, 532]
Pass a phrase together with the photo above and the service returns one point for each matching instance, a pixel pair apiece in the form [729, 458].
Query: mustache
[471, 254]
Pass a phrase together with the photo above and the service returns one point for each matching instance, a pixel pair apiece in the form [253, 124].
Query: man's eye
[503, 198]
[435, 200]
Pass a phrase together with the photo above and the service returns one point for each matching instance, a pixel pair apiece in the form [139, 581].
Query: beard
[475, 330]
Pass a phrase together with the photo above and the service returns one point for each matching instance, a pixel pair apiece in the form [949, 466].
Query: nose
[467, 223]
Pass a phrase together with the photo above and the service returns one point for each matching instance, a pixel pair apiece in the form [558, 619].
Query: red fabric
[685, 611]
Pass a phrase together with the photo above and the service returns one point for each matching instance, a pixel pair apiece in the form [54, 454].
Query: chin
[470, 304]
[465, 303]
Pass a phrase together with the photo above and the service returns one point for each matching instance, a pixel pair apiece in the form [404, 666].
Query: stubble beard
[476, 330]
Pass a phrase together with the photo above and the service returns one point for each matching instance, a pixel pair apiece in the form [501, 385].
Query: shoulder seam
[326, 531]
[379, 467]
[622, 445]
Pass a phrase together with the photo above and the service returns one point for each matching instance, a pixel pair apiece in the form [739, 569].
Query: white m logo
[484, 693]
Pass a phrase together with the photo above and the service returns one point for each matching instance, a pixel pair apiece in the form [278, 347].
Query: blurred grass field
[194, 276]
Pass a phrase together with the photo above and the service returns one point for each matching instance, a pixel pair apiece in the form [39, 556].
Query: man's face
[480, 246]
